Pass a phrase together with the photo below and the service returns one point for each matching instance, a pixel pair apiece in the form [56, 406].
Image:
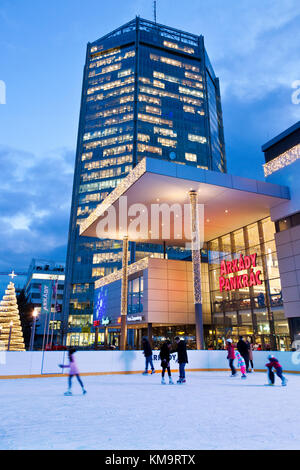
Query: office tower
[148, 90]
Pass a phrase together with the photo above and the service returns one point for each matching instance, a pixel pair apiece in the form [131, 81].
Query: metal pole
[96, 337]
[54, 314]
[32, 333]
[196, 261]
[124, 295]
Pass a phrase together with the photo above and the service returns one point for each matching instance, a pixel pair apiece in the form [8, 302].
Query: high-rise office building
[148, 90]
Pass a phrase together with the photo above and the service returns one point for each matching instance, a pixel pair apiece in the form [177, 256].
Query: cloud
[35, 198]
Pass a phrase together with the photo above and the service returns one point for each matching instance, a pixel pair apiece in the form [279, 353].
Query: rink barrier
[37, 364]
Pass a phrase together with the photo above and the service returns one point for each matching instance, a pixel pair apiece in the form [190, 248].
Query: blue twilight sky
[253, 46]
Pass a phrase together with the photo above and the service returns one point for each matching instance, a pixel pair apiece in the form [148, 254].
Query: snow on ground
[210, 411]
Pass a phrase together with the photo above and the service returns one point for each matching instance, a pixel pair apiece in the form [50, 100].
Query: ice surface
[210, 411]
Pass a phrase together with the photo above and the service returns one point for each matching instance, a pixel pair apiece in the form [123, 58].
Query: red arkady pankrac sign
[243, 280]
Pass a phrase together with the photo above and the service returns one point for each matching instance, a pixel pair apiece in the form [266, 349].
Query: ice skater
[274, 364]
[165, 356]
[242, 348]
[241, 364]
[148, 356]
[231, 356]
[73, 371]
[182, 359]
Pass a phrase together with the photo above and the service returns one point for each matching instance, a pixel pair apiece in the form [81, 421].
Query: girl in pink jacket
[241, 364]
[73, 371]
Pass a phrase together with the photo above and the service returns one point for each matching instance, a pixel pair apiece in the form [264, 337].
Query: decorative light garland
[283, 160]
[117, 275]
[130, 179]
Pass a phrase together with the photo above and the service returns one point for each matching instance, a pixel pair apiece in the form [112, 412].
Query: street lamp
[9, 337]
[34, 315]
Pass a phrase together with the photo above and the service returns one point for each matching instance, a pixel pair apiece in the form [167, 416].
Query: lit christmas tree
[10, 324]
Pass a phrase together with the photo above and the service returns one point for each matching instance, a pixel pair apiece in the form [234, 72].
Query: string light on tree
[10, 324]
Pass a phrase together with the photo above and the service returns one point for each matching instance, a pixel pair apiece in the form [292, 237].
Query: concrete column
[106, 336]
[124, 295]
[196, 260]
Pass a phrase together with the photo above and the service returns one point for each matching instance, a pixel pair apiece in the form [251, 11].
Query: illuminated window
[188, 109]
[111, 141]
[143, 137]
[189, 91]
[164, 132]
[125, 73]
[90, 187]
[153, 110]
[86, 156]
[173, 45]
[191, 157]
[150, 99]
[175, 63]
[117, 150]
[197, 138]
[194, 76]
[107, 257]
[149, 148]
[108, 162]
[167, 142]
[154, 119]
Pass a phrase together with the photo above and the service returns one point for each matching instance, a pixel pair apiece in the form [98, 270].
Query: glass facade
[256, 309]
[148, 90]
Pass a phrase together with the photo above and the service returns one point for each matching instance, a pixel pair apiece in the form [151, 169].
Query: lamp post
[9, 337]
[34, 315]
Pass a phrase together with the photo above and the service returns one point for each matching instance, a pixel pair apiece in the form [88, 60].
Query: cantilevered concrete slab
[230, 202]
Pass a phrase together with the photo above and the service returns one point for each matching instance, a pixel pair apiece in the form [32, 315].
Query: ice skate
[68, 393]
[171, 381]
[163, 382]
[83, 391]
[183, 381]
[153, 371]
[145, 373]
[244, 376]
[284, 382]
[179, 381]
[233, 375]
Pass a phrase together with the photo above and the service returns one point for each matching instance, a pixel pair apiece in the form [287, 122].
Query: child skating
[241, 365]
[73, 371]
[274, 364]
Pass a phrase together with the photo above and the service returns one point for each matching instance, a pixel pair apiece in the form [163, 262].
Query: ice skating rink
[210, 411]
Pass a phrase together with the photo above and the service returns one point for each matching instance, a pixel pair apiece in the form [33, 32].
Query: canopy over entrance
[229, 202]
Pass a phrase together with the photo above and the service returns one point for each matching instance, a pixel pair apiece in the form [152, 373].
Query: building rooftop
[281, 136]
[150, 26]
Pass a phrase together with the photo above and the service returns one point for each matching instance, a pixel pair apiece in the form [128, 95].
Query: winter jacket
[240, 359]
[147, 348]
[243, 348]
[250, 351]
[181, 351]
[230, 352]
[165, 355]
[274, 363]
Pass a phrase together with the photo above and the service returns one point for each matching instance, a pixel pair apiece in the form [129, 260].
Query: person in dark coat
[165, 356]
[182, 359]
[242, 348]
[148, 356]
